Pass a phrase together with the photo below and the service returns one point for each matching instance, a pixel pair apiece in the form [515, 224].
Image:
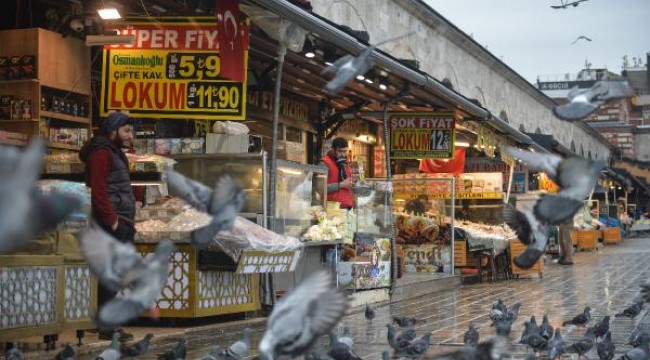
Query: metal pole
[389, 200]
[282, 51]
[512, 171]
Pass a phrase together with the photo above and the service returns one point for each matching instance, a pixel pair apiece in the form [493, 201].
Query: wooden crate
[516, 248]
[587, 239]
[31, 296]
[612, 235]
[191, 293]
[464, 258]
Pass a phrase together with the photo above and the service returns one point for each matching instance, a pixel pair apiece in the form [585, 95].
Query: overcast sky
[534, 39]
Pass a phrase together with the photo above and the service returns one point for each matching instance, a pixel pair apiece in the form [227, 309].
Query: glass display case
[301, 191]
[250, 170]
[424, 219]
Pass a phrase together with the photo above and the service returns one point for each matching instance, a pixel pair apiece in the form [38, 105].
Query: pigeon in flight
[223, 203]
[581, 37]
[565, 5]
[575, 176]
[584, 102]
[24, 212]
[300, 318]
[530, 231]
[348, 67]
[144, 290]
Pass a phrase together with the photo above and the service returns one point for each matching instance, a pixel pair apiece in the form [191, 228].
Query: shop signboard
[467, 186]
[173, 70]
[519, 178]
[420, 135]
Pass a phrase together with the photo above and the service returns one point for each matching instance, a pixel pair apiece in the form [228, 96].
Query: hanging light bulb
[308, 48]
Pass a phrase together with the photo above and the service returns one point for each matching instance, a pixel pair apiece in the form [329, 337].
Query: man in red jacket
[339, 182]
[112, 198]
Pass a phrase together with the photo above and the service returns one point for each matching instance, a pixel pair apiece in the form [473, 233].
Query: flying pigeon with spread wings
[581, 37]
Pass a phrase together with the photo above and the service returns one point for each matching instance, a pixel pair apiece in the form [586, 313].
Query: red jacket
[344, 196]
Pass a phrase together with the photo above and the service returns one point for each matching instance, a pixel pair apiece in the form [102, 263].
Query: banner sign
[467, 186]
[416, 135]
[174, 70]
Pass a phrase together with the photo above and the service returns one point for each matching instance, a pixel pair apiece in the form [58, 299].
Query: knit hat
[114, 121]
[339, 143]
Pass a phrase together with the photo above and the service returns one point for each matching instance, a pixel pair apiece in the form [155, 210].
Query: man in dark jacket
[112, 198]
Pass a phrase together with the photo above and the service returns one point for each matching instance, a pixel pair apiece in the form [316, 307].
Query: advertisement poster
[519, 178]
[468, 186]
[418, 135]
[174, 70]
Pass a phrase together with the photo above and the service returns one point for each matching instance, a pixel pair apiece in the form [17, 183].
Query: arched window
[589, 155]
[573, 146]
[538, 130]
[447, 83]
[582, 151]
[522, 128]
[503, 116]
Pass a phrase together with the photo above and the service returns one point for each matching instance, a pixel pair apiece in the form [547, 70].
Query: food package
[161, 146]
[247, 235]
[229, 127]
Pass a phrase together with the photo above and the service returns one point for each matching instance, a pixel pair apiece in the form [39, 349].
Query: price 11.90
[214, 95]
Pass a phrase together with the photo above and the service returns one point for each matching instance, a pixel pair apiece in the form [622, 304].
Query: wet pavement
[606, 280]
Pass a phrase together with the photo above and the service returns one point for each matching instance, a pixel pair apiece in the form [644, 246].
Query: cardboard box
[292, 151]
[226, 144]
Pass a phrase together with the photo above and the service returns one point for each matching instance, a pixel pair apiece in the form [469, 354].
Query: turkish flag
[452, 166]
[232, 35]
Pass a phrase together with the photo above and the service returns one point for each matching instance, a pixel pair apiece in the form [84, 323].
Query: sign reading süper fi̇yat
[173, 71]
[416, 135]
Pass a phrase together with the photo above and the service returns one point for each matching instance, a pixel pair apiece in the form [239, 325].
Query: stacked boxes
[169, 146]
[68, 136]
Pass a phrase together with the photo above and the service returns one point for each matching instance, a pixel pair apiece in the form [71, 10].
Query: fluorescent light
[369, 81]
[383, 86]
[92, 40]
[109, 14]
[461, 143]
[310, 54]
[328, 63]
[361, 77]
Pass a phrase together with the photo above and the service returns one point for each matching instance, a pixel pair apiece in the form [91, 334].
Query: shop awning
[619, 177]
[550, 143]
[330, 33]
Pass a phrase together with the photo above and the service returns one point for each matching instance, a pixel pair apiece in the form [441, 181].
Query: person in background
[566, 243]
[112, 197]
[463, 214]
[339, 181]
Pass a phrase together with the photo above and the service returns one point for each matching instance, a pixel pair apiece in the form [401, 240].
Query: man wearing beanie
[112, 198]
[339, 183]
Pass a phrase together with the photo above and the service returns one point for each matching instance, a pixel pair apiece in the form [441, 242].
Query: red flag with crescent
[233, 39]
[454, 165]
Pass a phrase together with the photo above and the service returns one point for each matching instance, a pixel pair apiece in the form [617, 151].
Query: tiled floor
[607, 280]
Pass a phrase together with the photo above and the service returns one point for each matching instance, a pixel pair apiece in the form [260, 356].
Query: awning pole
[512, 171]
[282, 51]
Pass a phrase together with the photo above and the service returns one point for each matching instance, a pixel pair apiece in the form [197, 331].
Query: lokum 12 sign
[417, 135]
[173, 70]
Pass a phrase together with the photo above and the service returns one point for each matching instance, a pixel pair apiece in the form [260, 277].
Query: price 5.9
[214, 95]
[199, 66]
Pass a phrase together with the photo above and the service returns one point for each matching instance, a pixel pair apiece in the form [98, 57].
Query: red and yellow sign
[416, 135]
[173, 71]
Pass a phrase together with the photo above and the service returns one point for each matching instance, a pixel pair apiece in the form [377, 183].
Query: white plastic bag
[230, 127]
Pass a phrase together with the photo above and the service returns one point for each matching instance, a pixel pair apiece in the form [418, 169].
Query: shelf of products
[45, 87]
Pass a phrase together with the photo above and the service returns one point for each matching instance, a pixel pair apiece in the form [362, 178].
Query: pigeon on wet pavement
[418, 348]
[601, 328]
[528, 331]
[640, 352]
[581, 319]
[113, 351]
[239, 349]
[341, 351]
[139, 348]
[583, 345]
[66, 354]
[309, 311]
[498, 311]
[556, 346]
[403, 321]
[545, 329]
[606, 348]
[503, 328]
[636, 336]
[632, 311]
[493, 349]
[177, 353]
[513, 314]
[369, 313]
[471, 336]
[14, 353]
